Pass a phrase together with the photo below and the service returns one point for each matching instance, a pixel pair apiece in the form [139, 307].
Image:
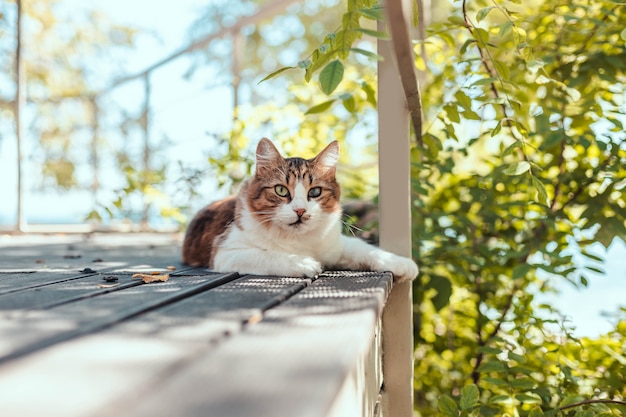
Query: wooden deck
[80, 337]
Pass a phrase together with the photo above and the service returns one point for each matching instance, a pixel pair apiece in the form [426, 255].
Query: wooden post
[395, 228]
[238, 53]
[95, 139]
[18, 106]
[145, 125]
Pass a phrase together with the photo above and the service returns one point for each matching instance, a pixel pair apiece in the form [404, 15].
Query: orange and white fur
[285, 220]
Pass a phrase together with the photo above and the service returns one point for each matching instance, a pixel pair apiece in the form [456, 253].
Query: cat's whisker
[351, 227]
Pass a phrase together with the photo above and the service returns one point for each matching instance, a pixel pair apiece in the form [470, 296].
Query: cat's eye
[281, 191]
[315, 192]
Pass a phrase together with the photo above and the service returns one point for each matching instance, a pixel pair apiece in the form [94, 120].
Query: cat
[286, 221]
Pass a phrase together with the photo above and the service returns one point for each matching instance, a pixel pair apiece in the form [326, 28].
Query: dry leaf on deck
[147, 278]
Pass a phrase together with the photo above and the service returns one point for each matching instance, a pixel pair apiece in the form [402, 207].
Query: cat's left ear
[266, 154]
[328, 158]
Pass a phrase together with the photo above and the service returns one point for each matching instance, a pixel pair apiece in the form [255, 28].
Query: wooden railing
[395, 202]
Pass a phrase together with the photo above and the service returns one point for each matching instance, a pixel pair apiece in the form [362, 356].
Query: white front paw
[404, 269]
[305, 267]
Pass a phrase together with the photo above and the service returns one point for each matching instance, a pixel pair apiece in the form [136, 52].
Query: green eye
[281, 191]
[315, 192]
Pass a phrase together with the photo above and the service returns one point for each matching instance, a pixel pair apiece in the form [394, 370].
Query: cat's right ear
[266, 154]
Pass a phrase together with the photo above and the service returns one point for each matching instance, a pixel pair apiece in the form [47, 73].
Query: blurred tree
[64, 54]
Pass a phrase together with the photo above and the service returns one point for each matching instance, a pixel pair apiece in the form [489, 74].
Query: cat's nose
[299, 211]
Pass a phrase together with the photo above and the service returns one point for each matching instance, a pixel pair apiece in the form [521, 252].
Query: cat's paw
[403, 269]
[305, 267]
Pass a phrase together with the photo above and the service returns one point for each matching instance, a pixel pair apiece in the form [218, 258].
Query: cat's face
[294, 195]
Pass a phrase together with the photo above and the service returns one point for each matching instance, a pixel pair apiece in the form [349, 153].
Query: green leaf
[367, 53]
[496, 381]
[553, 139]
[452, 112]
[484, 81]
[275, 73]
[457, 20]
[369, 92]
[517, 358]
[349, 103]
[481, 35]
[490, 350]
[374, 13]
[464, 101]
[374, 33]
[596, 270]
[505, 29]
[536, 412]
[570, 399]
[517, 168]
[331, 76]
[528, 398]
[499, 399]
[469, 397]
[447, 406]
[511, 148]
[482, 13]
[592, 256]
[319, 108]
[433, 146]
[542, 193]
[523, 383]
[444, 291]
[491, 366]
[520, 271]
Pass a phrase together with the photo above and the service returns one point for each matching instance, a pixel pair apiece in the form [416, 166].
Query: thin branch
[583, 185]
[587, 402]
[493, 74]
[593, 33]
[483, 58]
[558, 185]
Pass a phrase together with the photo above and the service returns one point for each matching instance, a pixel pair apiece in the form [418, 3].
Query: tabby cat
[285, 220]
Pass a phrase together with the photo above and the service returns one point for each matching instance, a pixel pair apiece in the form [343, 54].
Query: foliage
[523, 164]
[60, 84]
[343, 112]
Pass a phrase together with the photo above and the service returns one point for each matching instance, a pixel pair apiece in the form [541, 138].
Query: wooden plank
[22, 281]
[307, 357]
[10, 283]
[27, 331]
[28, 253]
[130, 361]
[47, 295]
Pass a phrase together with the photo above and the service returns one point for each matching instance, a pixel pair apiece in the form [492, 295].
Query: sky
[185, 110]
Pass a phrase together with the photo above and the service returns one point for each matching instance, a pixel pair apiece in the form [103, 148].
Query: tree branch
[587, 402]
[483, 58]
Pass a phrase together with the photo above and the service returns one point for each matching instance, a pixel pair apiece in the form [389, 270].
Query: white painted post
[18, 108]
[395, 232]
